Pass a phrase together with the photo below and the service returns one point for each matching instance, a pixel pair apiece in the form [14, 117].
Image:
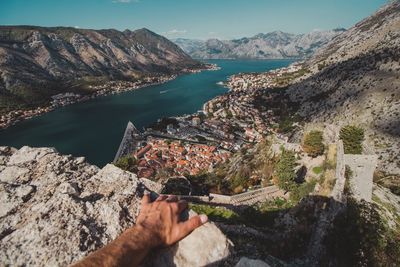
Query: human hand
[160, 220]
[158, 224]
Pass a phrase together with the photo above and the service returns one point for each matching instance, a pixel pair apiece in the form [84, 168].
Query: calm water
[94, 129]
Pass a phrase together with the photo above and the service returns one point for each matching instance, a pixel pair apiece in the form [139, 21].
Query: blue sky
[200, 19]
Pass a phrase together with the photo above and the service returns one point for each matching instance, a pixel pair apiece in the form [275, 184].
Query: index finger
[188, 226]
[146, 198]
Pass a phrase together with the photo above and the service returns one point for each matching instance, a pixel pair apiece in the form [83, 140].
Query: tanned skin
[158, 225]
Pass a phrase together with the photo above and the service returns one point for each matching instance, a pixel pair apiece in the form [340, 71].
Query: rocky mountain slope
[56, 209]
[355, 79]
[261, 46]
[36, 62]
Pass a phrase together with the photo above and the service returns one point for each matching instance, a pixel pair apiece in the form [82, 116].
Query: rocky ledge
[55, 209]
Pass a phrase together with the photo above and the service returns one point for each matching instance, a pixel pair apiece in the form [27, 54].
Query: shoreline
[218, 128]
[110, 88]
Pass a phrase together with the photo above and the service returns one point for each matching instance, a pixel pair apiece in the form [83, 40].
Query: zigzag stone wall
[337, 191]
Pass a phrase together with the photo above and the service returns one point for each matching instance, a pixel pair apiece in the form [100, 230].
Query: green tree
[285, 170]
[285, 125]
[229, 114]
[127, 163]
[352, 137]
[312, 143]
[321, 66]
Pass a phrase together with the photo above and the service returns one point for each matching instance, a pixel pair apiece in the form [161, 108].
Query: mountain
[275, 44]
[355, 79]
[36, 62]
[190, 46]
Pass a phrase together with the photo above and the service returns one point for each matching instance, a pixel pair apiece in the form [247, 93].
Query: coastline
[110, 88]
[210, 136]
[46, 130]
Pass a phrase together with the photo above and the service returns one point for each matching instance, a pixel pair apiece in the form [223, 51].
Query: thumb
[188, 226]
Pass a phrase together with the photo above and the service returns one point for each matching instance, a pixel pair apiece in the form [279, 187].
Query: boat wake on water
[168, 90]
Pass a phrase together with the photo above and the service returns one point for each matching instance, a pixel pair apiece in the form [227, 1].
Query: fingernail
[203, 218]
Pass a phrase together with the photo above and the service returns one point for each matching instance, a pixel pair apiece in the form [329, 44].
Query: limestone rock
[205, 246]
[27, 154]
[12, 173]
[56, 209]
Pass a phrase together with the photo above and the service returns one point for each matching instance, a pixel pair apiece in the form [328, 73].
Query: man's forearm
[129, 249]
[157, 225]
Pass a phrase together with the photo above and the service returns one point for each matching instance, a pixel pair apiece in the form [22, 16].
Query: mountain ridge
[272, 45]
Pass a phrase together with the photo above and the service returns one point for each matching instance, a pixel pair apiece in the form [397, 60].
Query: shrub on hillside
[318, 170]
[285, 170]
[206, 182]
[302, 190]
[177, 186]
[321, 66]
[312, 143]
[352, 137]
[219, 214]
[285, 125]
[127, 163]
[241, 180]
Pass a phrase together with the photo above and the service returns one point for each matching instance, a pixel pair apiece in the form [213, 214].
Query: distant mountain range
[37, 62]
[271, 45]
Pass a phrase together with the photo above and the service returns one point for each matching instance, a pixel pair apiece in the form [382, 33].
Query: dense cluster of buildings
[64, 99]
[113, 87]
[19, 115]
[236, 111]
[179, 158]
[208, 66]
[240, 110]
[252, 81]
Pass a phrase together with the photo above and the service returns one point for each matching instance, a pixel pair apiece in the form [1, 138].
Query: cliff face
[36, 60]
[261, 46]
[355, 79]
[56, 209]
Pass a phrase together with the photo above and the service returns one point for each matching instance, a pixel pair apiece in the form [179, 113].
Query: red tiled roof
[143, 151]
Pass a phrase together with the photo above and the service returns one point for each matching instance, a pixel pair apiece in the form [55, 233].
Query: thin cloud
[175, 32]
